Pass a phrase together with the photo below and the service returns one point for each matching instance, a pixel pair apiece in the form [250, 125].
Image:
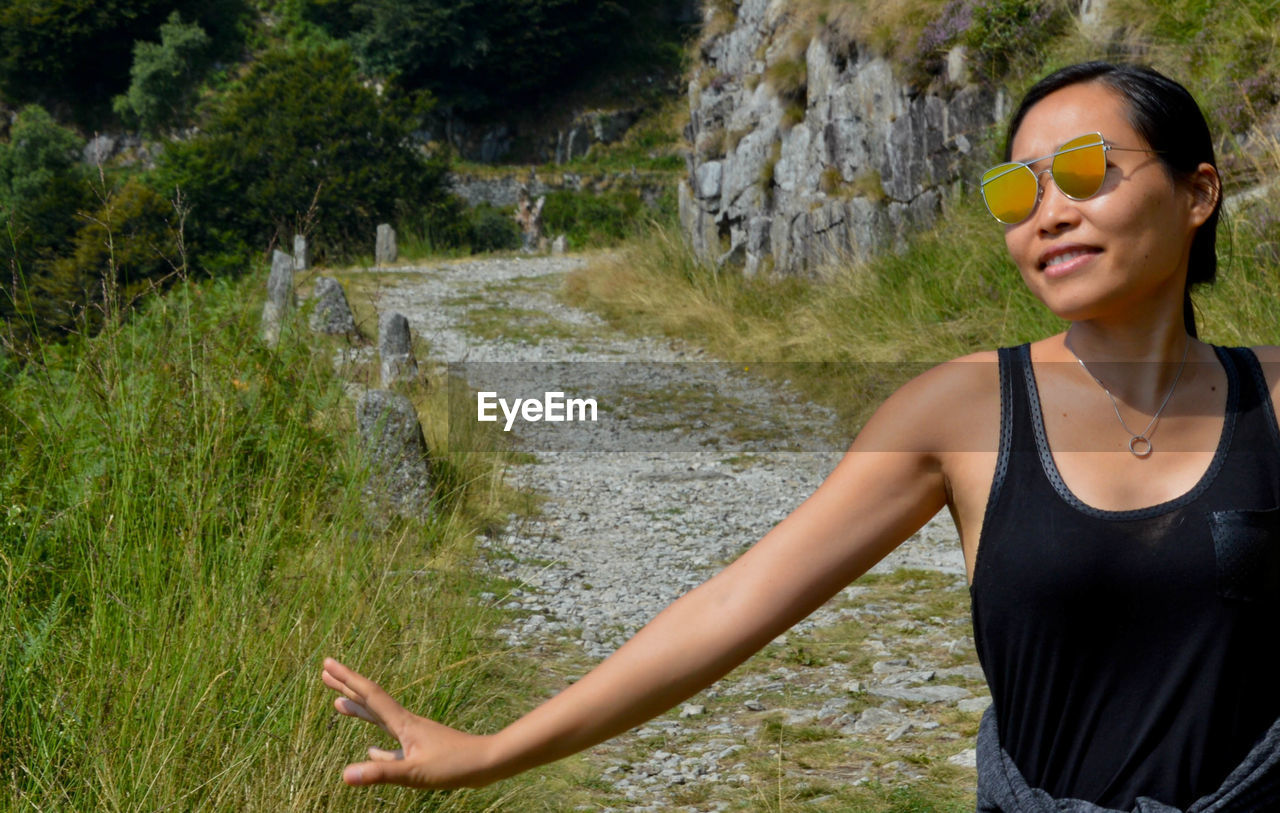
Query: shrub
[593, 219]
[123, 250]
[42, 182]
[78, 52]
[164, 76]
[999, 34]
[42, 186]
[490, 228]
[301, 139]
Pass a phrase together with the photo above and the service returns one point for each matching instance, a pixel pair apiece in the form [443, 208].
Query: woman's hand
[430, 755]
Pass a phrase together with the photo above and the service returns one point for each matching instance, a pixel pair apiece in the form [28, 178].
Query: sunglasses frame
[1014, 166]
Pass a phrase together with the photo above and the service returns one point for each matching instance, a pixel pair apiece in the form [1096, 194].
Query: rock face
[593, 127]
[573, 137]
[395, 349]
[331, 314]
[279, 297]
[400, 476]
[845, 165]
[503, 190]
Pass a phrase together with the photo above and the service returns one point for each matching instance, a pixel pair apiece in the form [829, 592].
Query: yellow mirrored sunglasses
[1012, 190]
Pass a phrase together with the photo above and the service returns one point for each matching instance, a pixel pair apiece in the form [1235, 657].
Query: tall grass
[182, 538]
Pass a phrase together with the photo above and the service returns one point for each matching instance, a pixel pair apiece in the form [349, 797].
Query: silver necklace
[1139, 442]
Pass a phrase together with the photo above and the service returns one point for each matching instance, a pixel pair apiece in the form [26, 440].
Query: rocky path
[876, 694]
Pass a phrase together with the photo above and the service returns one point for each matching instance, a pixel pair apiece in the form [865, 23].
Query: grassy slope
[183, 539]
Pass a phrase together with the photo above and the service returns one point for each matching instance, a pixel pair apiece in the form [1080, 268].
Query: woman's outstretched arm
[887, 486]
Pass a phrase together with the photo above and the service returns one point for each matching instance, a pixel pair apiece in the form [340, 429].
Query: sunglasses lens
[1080, 170]
[1010, 192]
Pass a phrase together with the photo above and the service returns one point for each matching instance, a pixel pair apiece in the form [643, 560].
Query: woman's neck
[1139, 362]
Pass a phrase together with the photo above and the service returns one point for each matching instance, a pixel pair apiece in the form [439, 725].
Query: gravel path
[687, 479]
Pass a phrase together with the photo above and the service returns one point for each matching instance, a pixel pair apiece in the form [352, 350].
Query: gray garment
[1253, 787]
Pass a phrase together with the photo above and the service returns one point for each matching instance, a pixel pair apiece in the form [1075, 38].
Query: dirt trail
[872, 701]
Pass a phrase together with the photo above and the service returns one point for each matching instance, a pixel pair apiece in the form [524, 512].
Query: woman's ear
[1206, 190]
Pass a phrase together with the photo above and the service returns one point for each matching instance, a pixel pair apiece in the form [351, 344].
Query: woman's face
[1124, 249]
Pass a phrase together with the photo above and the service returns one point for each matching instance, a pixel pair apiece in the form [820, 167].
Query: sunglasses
[1012, 190]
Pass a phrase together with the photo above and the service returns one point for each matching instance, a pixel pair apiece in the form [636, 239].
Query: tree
[476, 55]
[164, 76]
[300, 130]
[42, 185]
[77, 53]
[122, 250]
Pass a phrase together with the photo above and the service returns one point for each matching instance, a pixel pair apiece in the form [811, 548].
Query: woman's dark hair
[1165, 114]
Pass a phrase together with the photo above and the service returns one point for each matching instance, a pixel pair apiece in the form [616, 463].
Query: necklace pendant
[1140, 446]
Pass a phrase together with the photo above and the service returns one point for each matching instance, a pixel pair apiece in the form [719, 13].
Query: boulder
[395, 349]
[385, 251]
[279, 297]
[331, 314]
[399, 461]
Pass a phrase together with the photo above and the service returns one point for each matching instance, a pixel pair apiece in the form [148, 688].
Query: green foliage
[182, 536]
[589, 219]
[301, 144]
[42, 186]
[1005, 33]
[78, 52]
[1002, 36]
[490, 228]
[476, 56]
[164, 75]
[123, 250]
[1226, 53]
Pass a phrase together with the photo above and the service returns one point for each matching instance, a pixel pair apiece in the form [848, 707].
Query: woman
[1127, 579]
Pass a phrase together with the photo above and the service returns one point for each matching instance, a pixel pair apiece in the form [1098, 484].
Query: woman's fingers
[368, 694]
[383, 755]
[353, 709]
[396, 772]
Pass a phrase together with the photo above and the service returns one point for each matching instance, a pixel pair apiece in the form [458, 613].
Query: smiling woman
[1125, 585]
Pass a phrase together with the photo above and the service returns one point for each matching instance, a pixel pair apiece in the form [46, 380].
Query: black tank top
[1131, 653]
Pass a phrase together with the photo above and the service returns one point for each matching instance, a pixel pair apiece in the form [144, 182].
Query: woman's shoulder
[946, 407]
[972, 375]
[1267, 353]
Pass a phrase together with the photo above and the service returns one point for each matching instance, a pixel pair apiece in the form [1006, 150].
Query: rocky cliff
[804, 146]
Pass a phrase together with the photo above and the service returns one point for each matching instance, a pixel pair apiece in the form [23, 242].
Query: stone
[958, 65]
[873, 153]
[974, 704]
[559, 246]
[968, 758]
[922, 694]
[301, 256]
[874, 719]
[1092, 12]
[692, 710]
[100, 149]
[754, 705]
[279, 297]
[385, 247]
[395, 350]
[708, 179]
[331, 314]
[399, 461]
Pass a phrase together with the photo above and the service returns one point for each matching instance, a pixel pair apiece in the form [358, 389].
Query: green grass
[182, 539]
